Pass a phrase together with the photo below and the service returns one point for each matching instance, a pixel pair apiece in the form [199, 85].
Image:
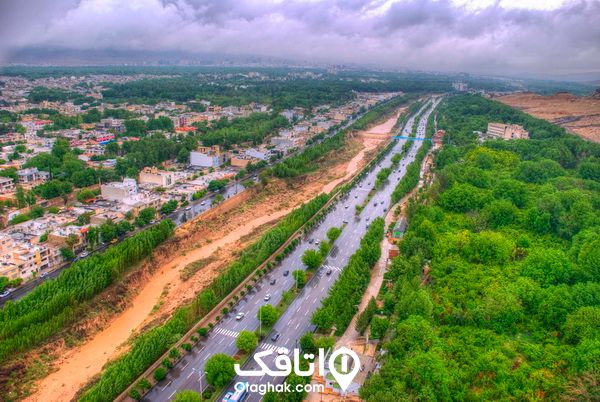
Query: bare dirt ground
[579, 115]
[160, 290]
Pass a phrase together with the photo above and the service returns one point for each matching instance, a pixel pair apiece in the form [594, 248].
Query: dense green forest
[496, 293]
[252, 129]
[150, 345]
[55, 303]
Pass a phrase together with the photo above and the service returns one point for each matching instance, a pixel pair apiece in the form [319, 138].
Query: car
[113, 241]
[286, 273]
[44, 274]
[202, 203]
[356, 196]
[345, 222]
[267, 297]
[227, 397]
[4, 294]
[282, 351]
[346, 207]
[310, 241]
[240, 316]
[275, 336]
[273, 281]
[329, 272]
[188, 208]
[152, 222]
[368, 218]
[317, 242]
[84, 254]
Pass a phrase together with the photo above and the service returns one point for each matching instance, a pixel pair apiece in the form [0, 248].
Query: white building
[117, 191]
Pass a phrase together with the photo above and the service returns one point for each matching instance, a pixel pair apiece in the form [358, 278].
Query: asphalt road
[188, 374]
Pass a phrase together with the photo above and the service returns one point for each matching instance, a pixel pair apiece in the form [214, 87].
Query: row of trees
[150, 345]
[53, 304]
[340, 305]
[498, 276]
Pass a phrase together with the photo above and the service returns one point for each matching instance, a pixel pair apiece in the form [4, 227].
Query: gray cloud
[421, 34]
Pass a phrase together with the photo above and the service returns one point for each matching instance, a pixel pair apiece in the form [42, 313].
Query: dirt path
[75, 367]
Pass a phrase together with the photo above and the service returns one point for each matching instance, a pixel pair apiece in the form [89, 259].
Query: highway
[188, 374]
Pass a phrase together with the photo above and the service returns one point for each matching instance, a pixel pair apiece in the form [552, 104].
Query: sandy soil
[579, 115]
[163, 291]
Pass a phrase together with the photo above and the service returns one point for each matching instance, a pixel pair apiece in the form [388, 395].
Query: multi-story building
[117, 191]
[506, 131]
[208, 157]
[151, 175]
[32, 175]
[7, 185]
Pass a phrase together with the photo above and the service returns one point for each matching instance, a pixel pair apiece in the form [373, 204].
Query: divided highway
[189, 373]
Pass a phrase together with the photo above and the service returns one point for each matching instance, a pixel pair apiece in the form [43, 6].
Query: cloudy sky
[495, 36]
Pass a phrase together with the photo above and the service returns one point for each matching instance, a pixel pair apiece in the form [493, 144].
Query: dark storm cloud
[424, 34]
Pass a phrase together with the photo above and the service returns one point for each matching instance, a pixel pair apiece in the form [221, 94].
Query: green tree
[219, 370]
[312, 259]
[246, 341]
[299, 278]
[267, 315]
[187, 396]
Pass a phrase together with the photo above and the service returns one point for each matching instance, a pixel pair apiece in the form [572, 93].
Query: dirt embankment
[149, 294]
[579, 115]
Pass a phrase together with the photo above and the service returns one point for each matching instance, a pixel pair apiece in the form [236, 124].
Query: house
[7, 185]
[242, 161]
[31, 175]
[207, 157]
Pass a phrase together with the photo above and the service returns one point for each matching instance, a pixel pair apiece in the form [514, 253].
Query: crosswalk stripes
[267, 346]
[333, 268]
[226, 332]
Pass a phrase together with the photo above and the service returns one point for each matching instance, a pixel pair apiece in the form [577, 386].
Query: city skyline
[490, 37]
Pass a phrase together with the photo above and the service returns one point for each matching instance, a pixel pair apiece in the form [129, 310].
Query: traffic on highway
[189, 373]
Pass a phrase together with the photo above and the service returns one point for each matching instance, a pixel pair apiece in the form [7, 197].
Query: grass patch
[189, 270]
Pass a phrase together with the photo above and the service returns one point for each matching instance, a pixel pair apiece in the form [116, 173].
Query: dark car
[275, 336]
[272, 282]
[286, 273]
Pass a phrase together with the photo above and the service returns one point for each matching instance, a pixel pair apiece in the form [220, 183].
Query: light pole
[200, 379]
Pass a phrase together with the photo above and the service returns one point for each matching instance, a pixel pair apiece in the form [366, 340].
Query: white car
[240, 316]
[267, 297]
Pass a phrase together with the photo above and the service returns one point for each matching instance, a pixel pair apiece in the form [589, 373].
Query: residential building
[32, 175]
[7, 185]
[117, 191]
[152, 175]
[207, 157]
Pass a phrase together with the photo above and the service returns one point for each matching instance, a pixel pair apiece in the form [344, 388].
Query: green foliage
[267, 315]
[187, 396]
[496, 293]
[340, 305]
[246, 341]
[149, 346]
[333, 233]
[160, 374]
[364, 318]
[168, 207]
[299, 278]
[219, 369]
[53, 304]
[217, 185]
[312, 259]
